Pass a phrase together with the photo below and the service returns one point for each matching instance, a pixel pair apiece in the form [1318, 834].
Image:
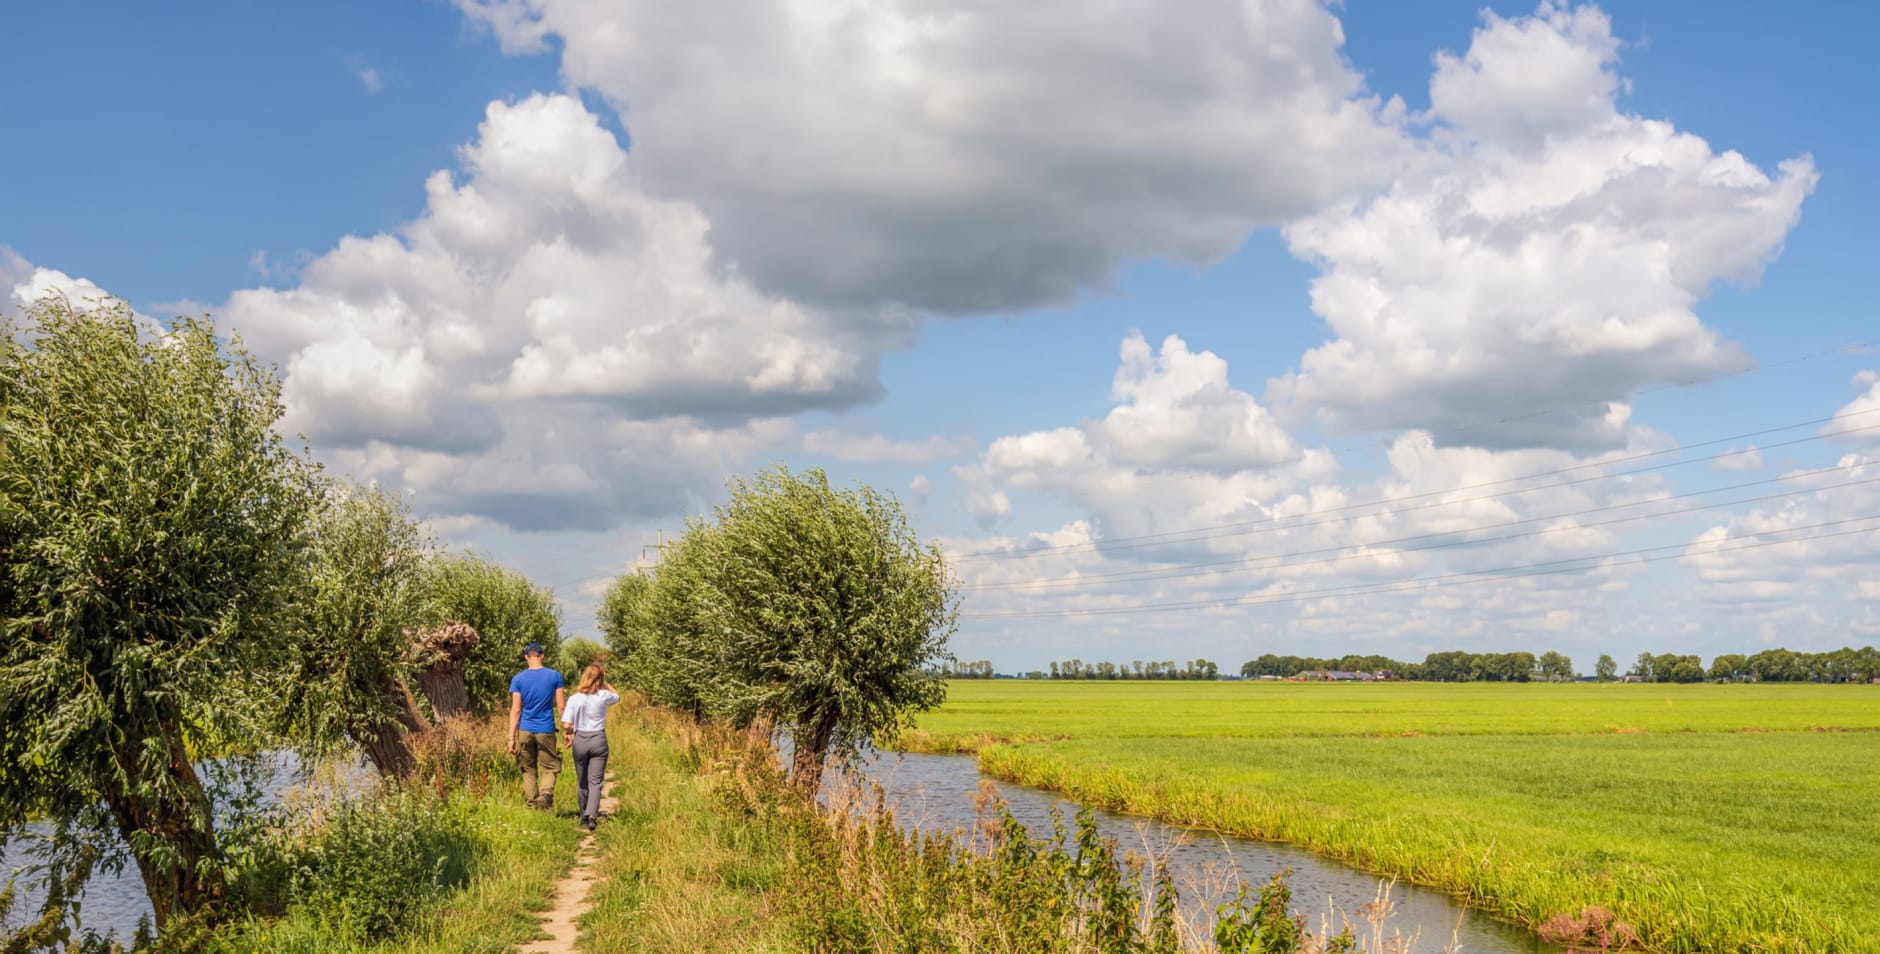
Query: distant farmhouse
[1339, 675]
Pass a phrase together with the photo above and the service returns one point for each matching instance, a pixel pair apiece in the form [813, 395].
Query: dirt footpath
[571, 893]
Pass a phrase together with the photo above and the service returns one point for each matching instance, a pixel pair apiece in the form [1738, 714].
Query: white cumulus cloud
[1858, 422]
[964, 156]
[1540, 261]
[546, 292]
[1735, 459]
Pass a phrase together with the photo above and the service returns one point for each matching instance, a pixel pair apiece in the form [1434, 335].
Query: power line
[1237, 564]
[1216, 531]
[1452, 579]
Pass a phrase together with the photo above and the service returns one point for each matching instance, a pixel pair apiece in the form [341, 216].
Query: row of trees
[1771, 665]
[1436, 667]
[176, 582]
[977, 669]
[796, 605]
[1135, 669]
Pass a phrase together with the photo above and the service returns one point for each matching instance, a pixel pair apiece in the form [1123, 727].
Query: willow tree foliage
[652, 626]
[503, 606]
[626, 617]
[808, 606]
[152, 528]
[348, 676]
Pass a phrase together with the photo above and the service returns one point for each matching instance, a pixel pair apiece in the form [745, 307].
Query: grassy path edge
[678, 874]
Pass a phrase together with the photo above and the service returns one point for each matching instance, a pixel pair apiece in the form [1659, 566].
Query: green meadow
[1710, 818]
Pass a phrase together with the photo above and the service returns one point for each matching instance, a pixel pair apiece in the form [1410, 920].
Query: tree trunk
[181, 825]
[389, 746]
[438, 655]
[811, 749]
[442, 684]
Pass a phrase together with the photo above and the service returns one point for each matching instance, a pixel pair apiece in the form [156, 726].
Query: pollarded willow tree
[152, 528]
[507, 610]
[347, 679]
[812, 607]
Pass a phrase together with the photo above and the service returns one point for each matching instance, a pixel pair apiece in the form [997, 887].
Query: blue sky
[916, 247]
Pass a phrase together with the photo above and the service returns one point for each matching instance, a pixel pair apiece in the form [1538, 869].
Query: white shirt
[587, 712]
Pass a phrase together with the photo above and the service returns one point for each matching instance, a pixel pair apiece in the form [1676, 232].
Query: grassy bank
[681, 873]
[712, 851]
[511, 861]
[1709, 817]
[454, 864]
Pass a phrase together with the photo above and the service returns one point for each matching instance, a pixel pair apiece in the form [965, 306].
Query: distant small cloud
[367, 74]
[1748, 458]
[1865, 378]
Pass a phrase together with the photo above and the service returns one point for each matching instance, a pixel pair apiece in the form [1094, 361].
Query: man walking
[535, 695]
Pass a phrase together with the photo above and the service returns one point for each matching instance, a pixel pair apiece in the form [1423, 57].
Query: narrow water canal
[114, 903]
[936, 793]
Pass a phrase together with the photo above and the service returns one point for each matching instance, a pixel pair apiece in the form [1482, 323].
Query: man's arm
[561, 700]
[515, 718]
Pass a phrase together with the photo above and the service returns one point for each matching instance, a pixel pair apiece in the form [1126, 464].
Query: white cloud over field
[1544, 250]
[1280, 531]
[548, 344]
[968, 156]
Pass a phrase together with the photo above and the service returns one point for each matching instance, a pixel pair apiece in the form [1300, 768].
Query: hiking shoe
[589, 823]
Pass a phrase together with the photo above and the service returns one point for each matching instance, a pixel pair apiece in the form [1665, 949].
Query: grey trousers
[590, 771]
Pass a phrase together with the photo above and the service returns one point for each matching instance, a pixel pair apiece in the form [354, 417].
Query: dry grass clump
[1593, 929]
[464, 752]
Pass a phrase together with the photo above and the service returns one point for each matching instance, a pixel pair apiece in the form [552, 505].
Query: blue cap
[533, 649]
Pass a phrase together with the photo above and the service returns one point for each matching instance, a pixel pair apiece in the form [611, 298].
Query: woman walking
[584, 718]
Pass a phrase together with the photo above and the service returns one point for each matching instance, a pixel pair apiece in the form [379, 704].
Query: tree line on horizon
[1134, 669]
[1770, 665]
[1455, 666]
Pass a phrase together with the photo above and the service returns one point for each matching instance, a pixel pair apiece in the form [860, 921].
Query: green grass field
[1713, 818]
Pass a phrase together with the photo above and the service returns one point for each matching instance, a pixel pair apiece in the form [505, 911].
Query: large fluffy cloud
[1189, 495]
[1210, 450]
[962, 155]
[1545, 249]
[547, 336]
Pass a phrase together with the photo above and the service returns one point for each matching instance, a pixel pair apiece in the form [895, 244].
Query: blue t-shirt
[538, 698]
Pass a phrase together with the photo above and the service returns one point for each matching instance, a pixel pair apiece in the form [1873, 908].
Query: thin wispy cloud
[367, 74]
